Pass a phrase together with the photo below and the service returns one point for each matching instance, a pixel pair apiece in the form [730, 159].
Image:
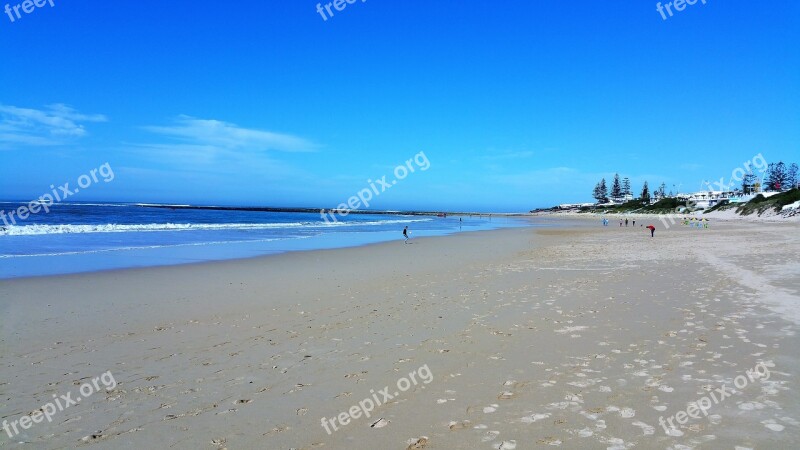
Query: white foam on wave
[37, 230]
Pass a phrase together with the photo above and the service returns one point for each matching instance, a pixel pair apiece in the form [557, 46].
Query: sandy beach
[576, 336]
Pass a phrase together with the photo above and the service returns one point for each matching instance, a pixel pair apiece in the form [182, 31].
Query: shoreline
[324, 242]
[264, 258]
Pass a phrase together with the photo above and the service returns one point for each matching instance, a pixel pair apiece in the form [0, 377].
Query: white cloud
[214, 147]
[215, 134]
[56, 124]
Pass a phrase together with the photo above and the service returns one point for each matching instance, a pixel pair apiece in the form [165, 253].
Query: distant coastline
[776, 206]
[327, 210]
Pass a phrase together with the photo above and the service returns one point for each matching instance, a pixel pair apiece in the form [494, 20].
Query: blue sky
[516, 104]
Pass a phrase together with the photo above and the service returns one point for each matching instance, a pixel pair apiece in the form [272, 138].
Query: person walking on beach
[652, 230]
[626, 223]
[405, 234]
[620, 223]
[634, 222]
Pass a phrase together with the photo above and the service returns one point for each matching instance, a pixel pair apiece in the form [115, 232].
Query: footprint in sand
[750, 406]
[490, 436]
[647, 430]
[771, 425]
[534, 418]
[417, 443]
[790, 421]
[459, 425]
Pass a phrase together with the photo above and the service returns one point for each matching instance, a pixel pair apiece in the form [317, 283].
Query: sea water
[81, 237]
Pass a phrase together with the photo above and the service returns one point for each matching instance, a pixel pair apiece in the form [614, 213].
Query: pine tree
[645, 193]
[616, 189]
[600, 192]
[791, 176]
[749, 183]
[596, 194]
[604, 189]
[626, 187]
[776, 176]
[662, 191]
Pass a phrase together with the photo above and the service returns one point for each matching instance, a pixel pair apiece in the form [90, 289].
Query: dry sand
[578, 337]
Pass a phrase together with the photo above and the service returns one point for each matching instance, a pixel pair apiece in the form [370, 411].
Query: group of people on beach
[695, 222]
[621, 222]
[688, 221]
[626, 221]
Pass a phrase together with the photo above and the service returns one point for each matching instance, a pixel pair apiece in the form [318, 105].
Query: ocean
[86, 237]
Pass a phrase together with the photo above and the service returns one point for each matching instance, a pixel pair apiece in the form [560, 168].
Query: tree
[645, 193]
[600, 192]
[749, 181]
[776, 176]
[791, 177]
[596, 193]
[780, 176]
[769, 177]
[661, 192]
[603, 189]
[616, 189]
[626, 187]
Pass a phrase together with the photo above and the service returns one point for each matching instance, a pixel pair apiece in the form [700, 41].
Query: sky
[513, 105]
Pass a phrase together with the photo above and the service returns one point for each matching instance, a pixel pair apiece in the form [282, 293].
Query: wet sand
[578, 337]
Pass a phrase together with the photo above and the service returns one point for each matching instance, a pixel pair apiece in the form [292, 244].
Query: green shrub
[760, 203]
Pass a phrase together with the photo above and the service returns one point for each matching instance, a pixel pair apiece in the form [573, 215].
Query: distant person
[634, 222]
[626, 223]
[405, 234]
[620, 223]
[652, 230]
